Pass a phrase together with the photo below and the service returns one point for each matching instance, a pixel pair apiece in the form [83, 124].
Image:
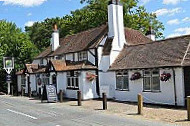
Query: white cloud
[174, 2]
[29, 14]
[186, 19]
[173, 35]
[179, 32]
[24, 3]
[29, 23]
[144, 1]
[185, 30]
[173, 22]
[169, 12]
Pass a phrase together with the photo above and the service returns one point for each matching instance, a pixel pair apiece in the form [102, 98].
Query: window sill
[153, 91]
[69, 88]
[122, 89]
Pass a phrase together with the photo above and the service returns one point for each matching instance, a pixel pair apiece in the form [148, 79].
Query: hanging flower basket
[165, 76]
[135, 76]
[90, 76]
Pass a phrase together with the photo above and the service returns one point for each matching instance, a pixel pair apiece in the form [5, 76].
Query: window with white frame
[45, 79]
[151, 80]
[23, 80]
[122, 80]
[83, 56]
[72, 80]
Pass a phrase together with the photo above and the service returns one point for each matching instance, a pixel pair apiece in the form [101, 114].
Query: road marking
[20, 113]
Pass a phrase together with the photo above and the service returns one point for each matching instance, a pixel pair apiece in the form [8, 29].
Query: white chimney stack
[55, 38]
[116, 28]
[151, 34]
[116, 23]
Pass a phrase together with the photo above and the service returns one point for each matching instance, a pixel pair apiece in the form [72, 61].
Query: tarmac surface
[21, 111]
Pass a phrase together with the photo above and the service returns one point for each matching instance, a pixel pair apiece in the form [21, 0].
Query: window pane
[125, 82]
[146, 72]
[73, 83]
[68, 82]
[119, 82]
[155, 83]
[77, 82]
[155, 72]
[146, 83]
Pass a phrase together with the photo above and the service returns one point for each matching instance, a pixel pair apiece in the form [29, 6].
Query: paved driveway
[19, 111]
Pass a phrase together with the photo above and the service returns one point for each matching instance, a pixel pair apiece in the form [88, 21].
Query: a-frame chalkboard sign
[49, 93]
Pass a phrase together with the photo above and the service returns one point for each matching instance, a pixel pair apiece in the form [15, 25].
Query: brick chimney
[55, 38]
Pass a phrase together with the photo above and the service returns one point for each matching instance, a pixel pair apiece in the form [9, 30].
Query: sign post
[8, 63]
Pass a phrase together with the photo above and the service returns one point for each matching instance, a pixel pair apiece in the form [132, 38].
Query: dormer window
[83, 56]
[58, 57]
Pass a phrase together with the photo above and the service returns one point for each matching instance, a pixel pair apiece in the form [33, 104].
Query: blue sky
[175, 14]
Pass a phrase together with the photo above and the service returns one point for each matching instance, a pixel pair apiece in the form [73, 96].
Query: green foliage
[14, 43]
[93, 15]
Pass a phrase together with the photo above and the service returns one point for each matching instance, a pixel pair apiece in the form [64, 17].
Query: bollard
[30, 92]
[79, 98]
[39, 93]
[104, 99]
[12, 93]
[140, 104]
[188, 108]
[22, 91]
[61, 95]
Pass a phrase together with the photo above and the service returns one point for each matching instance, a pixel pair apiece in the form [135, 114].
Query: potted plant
[165, 76]
[135, 76]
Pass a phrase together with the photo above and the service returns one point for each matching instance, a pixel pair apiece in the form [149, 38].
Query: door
[187, 82]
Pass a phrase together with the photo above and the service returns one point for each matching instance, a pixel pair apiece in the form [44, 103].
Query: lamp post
[8, 63]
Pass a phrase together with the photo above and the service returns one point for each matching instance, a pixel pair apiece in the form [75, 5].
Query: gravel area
[150, 112]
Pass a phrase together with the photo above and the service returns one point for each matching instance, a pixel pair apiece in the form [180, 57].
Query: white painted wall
[61, 81]
[88, 87]
[91, 58]
[180, 86]
[69, 56]
[19, 83]
[76, 57]
[107, 80]
[165, 96]
[104, 63]
[33, 82]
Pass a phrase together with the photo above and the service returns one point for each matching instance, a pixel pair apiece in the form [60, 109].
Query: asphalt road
[19, 111]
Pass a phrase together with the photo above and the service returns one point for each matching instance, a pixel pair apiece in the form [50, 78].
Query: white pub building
[110, 58]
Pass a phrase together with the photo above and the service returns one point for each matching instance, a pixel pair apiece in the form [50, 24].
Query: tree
[92, 15]
[14, 43]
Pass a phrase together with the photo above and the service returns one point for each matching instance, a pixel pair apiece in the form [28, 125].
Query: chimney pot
[55, 27]
[117, 2]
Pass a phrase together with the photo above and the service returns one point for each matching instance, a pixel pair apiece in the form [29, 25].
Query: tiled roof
[61, 65]
[77, 42]
[164, 53]
[135, 37]
[91, 39]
